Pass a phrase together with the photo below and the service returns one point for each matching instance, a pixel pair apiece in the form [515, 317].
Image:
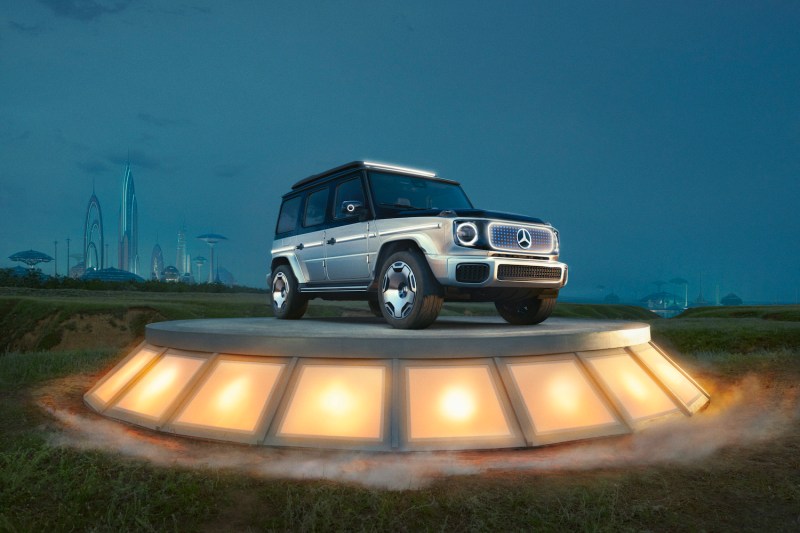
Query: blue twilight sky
[661, 138]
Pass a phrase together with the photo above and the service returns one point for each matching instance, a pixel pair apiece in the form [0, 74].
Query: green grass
[45, 487]
[789, 313]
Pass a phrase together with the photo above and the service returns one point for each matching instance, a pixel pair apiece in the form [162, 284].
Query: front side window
[351, 190]
[395, 191]
[287, 219]
[315, 207]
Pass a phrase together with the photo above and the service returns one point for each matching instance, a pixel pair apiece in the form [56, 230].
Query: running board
[333, 288]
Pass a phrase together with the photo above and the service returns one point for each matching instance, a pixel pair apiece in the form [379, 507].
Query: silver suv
[405, 240]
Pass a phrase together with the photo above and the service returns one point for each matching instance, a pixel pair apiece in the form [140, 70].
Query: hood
[471, 213]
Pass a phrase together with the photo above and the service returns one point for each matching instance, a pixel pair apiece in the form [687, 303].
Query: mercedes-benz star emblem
[524, 238]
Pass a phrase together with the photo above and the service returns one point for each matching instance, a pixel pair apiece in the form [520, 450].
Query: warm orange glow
[233, 396]
[337, 401]
[457, 404]
[454, 402]
[159, 387]
[121, 377]
[558, 396]
[671, 376]
[639, 395]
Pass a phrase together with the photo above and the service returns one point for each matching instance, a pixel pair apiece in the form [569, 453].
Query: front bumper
[471, 271]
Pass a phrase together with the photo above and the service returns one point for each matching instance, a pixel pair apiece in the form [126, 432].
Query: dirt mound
[86, 331]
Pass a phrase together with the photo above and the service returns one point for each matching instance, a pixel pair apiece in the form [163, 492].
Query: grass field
[736, 468]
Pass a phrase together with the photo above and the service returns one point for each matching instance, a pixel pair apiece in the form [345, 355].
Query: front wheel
[287, 302]
[526, 312]
[409, 296]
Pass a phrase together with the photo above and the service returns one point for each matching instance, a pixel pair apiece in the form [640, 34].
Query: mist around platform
[742, 414]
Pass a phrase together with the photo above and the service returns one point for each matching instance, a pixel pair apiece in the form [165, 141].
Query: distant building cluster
[94, 259]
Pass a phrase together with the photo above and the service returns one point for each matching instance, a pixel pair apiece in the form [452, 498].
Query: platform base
[464, 383]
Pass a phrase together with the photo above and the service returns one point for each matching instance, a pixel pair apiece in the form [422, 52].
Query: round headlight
[466, 233]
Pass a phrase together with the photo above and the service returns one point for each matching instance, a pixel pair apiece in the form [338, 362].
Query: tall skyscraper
[156, 263]
[93, 241]
[128, 226]
[180, 260]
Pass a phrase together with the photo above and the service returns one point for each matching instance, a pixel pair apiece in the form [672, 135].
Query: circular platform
[455, 337]
[355, 383]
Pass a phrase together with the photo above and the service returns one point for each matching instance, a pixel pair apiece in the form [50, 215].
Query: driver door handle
[299, 246]
[331, 241]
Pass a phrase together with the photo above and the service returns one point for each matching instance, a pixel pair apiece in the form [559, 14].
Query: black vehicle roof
[367, 165]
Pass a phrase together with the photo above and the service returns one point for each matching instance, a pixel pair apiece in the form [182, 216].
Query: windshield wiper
[404, 206]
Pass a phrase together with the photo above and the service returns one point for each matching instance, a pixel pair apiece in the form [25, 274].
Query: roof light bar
[396, 168]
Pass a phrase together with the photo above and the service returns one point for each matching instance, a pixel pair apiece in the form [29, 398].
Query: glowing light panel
[639, 395]
[679, 384]
[558, 396]
[121, 377]
[233, 396]
[337, 401]
[454, 402]
[157, 389]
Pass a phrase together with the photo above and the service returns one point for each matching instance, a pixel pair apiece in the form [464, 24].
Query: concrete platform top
[448, 337]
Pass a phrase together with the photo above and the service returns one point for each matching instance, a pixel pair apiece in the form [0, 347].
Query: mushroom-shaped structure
[31, 257]
[211, 239]
[199, 261]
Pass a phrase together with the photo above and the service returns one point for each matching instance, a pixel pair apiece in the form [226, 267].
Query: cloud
[136, 158]
[30, 29]
[85, 9]
[228, 171]
[94, 167]
[161, 122]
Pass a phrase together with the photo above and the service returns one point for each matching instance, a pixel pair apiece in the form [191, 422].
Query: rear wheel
[409, 296]
[287, 302]
[526, 312]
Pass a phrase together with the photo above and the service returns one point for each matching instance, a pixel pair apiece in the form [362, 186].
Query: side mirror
[352, 207]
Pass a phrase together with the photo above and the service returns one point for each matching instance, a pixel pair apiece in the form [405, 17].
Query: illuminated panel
[454, 401]
[121, 377]
[679, 384]
[638, 394]
[337, 401]
[154, 393]
[233, 396]
[559, 397]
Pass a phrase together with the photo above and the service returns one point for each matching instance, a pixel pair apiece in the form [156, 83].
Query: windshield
[395, 191]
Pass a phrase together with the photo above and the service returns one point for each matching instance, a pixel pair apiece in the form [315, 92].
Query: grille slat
[504, 237]
[528, 273]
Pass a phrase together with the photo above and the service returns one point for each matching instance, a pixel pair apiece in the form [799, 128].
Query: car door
[311, 241]
[346, 245]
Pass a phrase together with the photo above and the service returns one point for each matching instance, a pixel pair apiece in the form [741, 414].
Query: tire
[375, 307]
[408, 295]
[287, 302]
[526, 312]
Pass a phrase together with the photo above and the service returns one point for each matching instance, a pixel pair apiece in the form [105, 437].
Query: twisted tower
[128, 225]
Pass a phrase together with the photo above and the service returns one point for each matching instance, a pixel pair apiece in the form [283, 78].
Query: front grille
[504, 237]
[472, 272]
[528, 273]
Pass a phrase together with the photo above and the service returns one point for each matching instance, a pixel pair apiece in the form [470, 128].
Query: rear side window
[316, 205]
[287, 219]
[347, 191]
